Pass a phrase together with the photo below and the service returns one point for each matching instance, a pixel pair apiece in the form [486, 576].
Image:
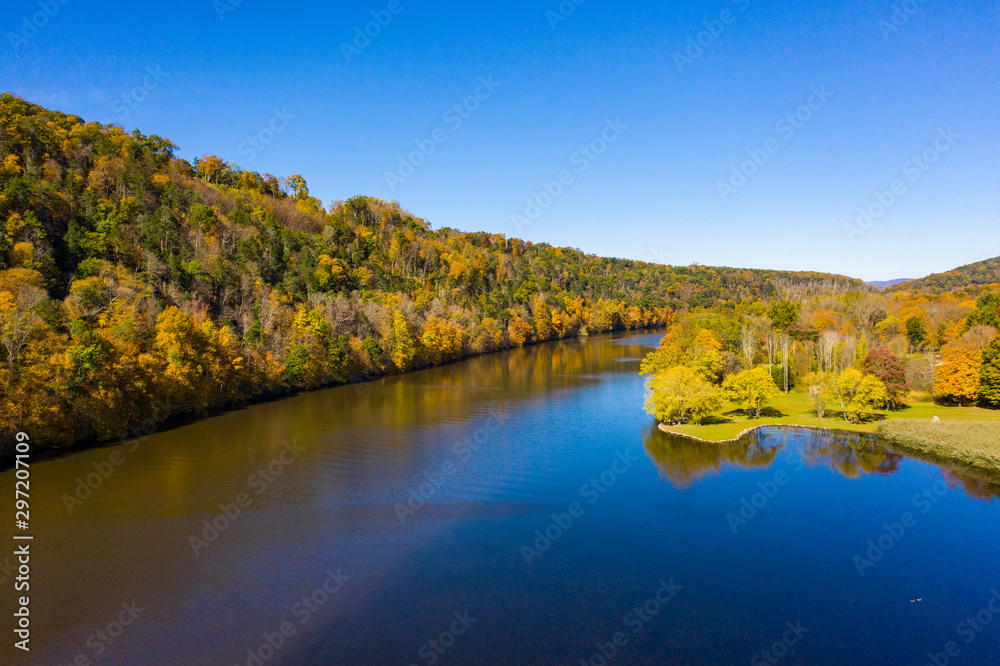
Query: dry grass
[975, 443]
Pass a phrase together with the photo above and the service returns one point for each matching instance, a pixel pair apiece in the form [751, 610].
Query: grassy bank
[975, 443]
[795, 409]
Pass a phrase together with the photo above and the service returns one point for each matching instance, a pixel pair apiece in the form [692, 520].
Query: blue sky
[651, 112]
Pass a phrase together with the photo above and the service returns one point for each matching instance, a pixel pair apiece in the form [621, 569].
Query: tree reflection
[851, 454]
[974, 483]
[684, 461]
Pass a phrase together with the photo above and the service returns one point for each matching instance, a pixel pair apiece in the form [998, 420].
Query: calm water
[554, 520]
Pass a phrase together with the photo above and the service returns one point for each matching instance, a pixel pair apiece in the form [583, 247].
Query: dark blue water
[514, 509]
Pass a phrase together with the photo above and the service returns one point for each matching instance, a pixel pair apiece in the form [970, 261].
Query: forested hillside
[135, 285]
[978, 274]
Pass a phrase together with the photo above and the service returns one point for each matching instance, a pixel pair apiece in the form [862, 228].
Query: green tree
[916, 331]
[989, 375]
[681, 394]
[751, 388]
[987, 312]
[783, 314]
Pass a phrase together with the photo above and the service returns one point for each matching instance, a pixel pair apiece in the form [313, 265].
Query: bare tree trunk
[786, 342]
[748, 341]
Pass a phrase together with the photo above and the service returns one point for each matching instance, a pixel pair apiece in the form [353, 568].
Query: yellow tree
[20, 295]
[958, 376]
[441, 341]
[518, 331]
[307, 355]
[752, 389]
[402, 349]
[681, 394]
[186, 359]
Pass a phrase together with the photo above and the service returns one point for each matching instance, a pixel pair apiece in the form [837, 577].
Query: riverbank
[967, 435]
[973, 443]
[170, 416]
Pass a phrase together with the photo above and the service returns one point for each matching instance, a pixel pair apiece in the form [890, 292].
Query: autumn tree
[402, 348]
[888, 368]
[859, 394]
[753, 389]
[681, 394]
[957, 379]
[989, 375]
[819, 392]
[307, 355]
[784, 314]
[210, 167]
[20, 297]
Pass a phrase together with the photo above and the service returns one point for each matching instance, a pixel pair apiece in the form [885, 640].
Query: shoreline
[665, 428]
[919, 448]
[179, 419]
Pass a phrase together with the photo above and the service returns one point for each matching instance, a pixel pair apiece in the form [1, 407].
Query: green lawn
[796, 409]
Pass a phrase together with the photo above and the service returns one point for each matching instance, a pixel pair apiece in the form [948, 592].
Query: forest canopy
[131, 278]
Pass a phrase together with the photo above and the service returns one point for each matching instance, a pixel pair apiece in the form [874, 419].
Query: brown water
[505, 449]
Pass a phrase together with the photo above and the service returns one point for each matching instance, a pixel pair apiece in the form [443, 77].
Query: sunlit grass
[796, 409]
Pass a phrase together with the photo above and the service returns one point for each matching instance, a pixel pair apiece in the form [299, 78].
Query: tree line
[131, 278]
[855, 352]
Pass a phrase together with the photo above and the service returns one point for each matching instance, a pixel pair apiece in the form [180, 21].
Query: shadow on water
[683, 462]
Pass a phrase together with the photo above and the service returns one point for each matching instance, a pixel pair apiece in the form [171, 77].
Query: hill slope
[973, 275]
[137, 286]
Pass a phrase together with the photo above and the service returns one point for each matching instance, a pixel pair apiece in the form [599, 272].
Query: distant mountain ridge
[972, 275]
[885, 284]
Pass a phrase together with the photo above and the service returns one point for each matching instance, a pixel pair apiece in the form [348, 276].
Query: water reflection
[684, 461]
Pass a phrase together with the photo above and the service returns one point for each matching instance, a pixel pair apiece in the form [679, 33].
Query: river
[518, 508]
